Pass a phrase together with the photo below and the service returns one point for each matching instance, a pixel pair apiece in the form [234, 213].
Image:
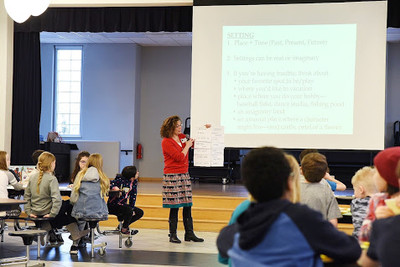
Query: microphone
[188, 138]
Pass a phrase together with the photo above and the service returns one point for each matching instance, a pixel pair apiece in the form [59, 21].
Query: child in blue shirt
[122, 199]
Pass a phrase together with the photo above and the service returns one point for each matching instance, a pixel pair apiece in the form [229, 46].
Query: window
[68, 76]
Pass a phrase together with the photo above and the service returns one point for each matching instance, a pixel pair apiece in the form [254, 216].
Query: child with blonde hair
[44, 199]
[90, 188]
[294, 165]
[42, 192]
[6, 177]
[88, 192]
[364, 188]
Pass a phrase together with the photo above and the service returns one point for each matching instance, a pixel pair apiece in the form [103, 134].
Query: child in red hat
[384, 240]
[386, 182]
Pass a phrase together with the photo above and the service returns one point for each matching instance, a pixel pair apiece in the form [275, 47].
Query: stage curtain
[128, 19]
[393, 19]
[27, 97]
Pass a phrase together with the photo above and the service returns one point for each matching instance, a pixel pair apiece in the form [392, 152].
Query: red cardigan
[174, 160]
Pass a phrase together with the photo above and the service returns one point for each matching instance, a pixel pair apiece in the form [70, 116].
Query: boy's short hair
[314, 167]
[364, 177]
[35, 155]
[305, 152]
[128, 172]
[265, 173]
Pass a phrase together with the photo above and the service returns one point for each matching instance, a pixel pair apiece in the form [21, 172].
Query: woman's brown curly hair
[168, 126]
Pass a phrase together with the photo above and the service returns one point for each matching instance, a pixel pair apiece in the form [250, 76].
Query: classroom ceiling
[139, 38]
[143, 38]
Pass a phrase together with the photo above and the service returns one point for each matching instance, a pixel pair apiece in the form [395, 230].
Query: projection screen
[291, 75]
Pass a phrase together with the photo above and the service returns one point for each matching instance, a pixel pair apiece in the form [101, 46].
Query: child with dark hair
[314, 194]
[80, 163]
[123, 191]
[305, 152]
[273, 231]
[35, 155]
[35, 158]
[295, 198]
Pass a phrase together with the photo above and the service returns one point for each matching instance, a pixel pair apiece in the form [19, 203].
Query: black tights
[125, 212]
[173, 213]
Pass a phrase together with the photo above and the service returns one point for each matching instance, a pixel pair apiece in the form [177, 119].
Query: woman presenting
[177, 187]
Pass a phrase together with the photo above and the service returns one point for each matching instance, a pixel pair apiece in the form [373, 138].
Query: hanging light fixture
[21, 10]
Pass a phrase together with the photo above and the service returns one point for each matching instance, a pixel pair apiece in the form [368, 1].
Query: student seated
[6, 177]
[42, 192]
[330, 180]
[80, 163]
[273, 231]
[364, 188]
[88, 192]
[90, 188]
[35, 159]
[313, 193]
[386, 183]
[295, 198]
[44, 200]
[122, 199]
[384, 239]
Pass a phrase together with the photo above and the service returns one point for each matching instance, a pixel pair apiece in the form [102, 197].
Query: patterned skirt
[177, 190]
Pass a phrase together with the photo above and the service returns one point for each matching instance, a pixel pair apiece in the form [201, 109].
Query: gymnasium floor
[150, 248]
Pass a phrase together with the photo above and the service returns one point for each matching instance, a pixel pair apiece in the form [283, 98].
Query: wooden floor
[213, 204]
[198, 188]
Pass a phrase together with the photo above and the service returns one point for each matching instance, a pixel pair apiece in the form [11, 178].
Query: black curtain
[27, 97]
[393, 18]
[27, 86]
[127, 19]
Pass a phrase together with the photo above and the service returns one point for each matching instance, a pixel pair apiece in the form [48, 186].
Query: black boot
[189, 234]
[173, 238]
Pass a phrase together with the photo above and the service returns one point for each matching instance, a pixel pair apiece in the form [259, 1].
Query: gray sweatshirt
[12, 181]
[48, 200]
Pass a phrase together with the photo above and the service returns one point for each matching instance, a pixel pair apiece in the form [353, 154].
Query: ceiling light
[21, 10]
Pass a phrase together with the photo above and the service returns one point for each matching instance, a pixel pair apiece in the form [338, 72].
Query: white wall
[109, 150]
[47, 62]
[165, 91]
[137, 104]
[6, 74]
[108, 94]
[392, 90]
